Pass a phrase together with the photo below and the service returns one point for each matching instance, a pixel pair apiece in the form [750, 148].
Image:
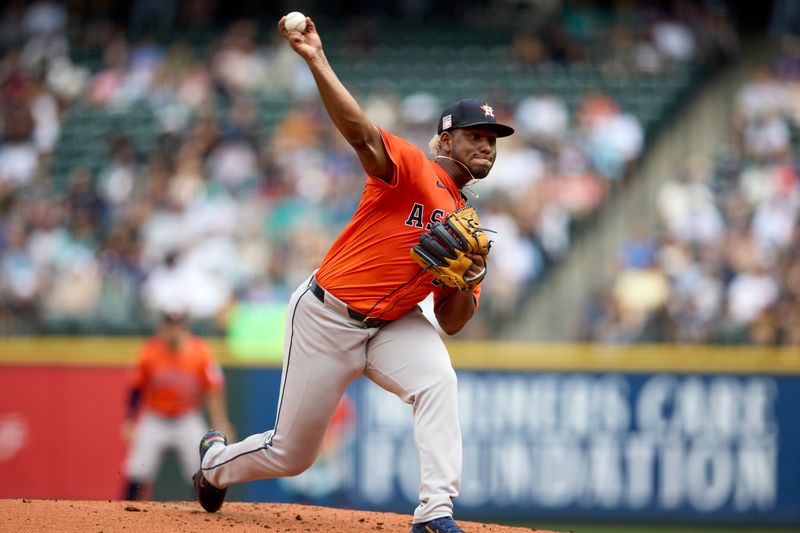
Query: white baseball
[295, 21]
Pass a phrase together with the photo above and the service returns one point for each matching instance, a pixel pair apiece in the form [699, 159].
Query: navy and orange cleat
[438, 525]
[209, 496]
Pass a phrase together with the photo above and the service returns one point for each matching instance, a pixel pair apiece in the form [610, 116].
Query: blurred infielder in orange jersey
[175, 375]
[358, 314]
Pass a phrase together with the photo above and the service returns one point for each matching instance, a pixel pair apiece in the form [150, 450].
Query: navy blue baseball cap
[471, 112]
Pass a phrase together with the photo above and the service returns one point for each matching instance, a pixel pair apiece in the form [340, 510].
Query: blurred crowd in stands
[724, 264]
[224, 209]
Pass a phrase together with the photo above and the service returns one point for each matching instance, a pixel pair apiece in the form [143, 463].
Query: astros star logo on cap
[487, 109]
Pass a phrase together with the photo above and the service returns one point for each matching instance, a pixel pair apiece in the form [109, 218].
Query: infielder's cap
[173, 317]
[174, 313]
[472, 112]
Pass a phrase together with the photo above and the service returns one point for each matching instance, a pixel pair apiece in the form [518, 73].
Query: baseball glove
[443, 250]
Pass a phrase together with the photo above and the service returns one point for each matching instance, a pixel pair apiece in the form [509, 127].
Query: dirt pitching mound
[167, 517]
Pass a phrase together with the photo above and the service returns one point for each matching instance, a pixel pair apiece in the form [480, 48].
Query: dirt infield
[139, 517]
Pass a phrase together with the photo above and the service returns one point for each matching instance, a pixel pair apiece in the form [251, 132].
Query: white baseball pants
[324, 351]
[155, 435]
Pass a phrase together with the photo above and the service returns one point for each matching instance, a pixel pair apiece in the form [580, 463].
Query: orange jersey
[173, 382]
[369, 266]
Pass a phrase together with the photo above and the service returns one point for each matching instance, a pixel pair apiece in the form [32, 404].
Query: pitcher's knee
[297, 465]
[444, 383]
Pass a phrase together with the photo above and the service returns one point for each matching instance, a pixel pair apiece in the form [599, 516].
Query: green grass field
[658, 528]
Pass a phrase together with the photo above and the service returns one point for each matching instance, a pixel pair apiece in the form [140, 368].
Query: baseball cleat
[209, 496]
[438, 525]
[213, 437]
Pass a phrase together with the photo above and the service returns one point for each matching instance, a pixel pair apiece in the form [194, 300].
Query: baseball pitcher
[413, 233]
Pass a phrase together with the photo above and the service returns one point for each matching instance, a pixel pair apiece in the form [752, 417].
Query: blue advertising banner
[588, 445]
[625, 446]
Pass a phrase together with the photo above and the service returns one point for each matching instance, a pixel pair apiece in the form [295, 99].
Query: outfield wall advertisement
[714, 448]
[589, 433]
[60, 432]
[622, 445]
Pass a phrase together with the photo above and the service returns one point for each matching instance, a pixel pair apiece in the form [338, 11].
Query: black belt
[368, 322]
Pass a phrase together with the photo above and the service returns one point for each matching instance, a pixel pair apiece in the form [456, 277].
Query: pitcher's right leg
[323, 353]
